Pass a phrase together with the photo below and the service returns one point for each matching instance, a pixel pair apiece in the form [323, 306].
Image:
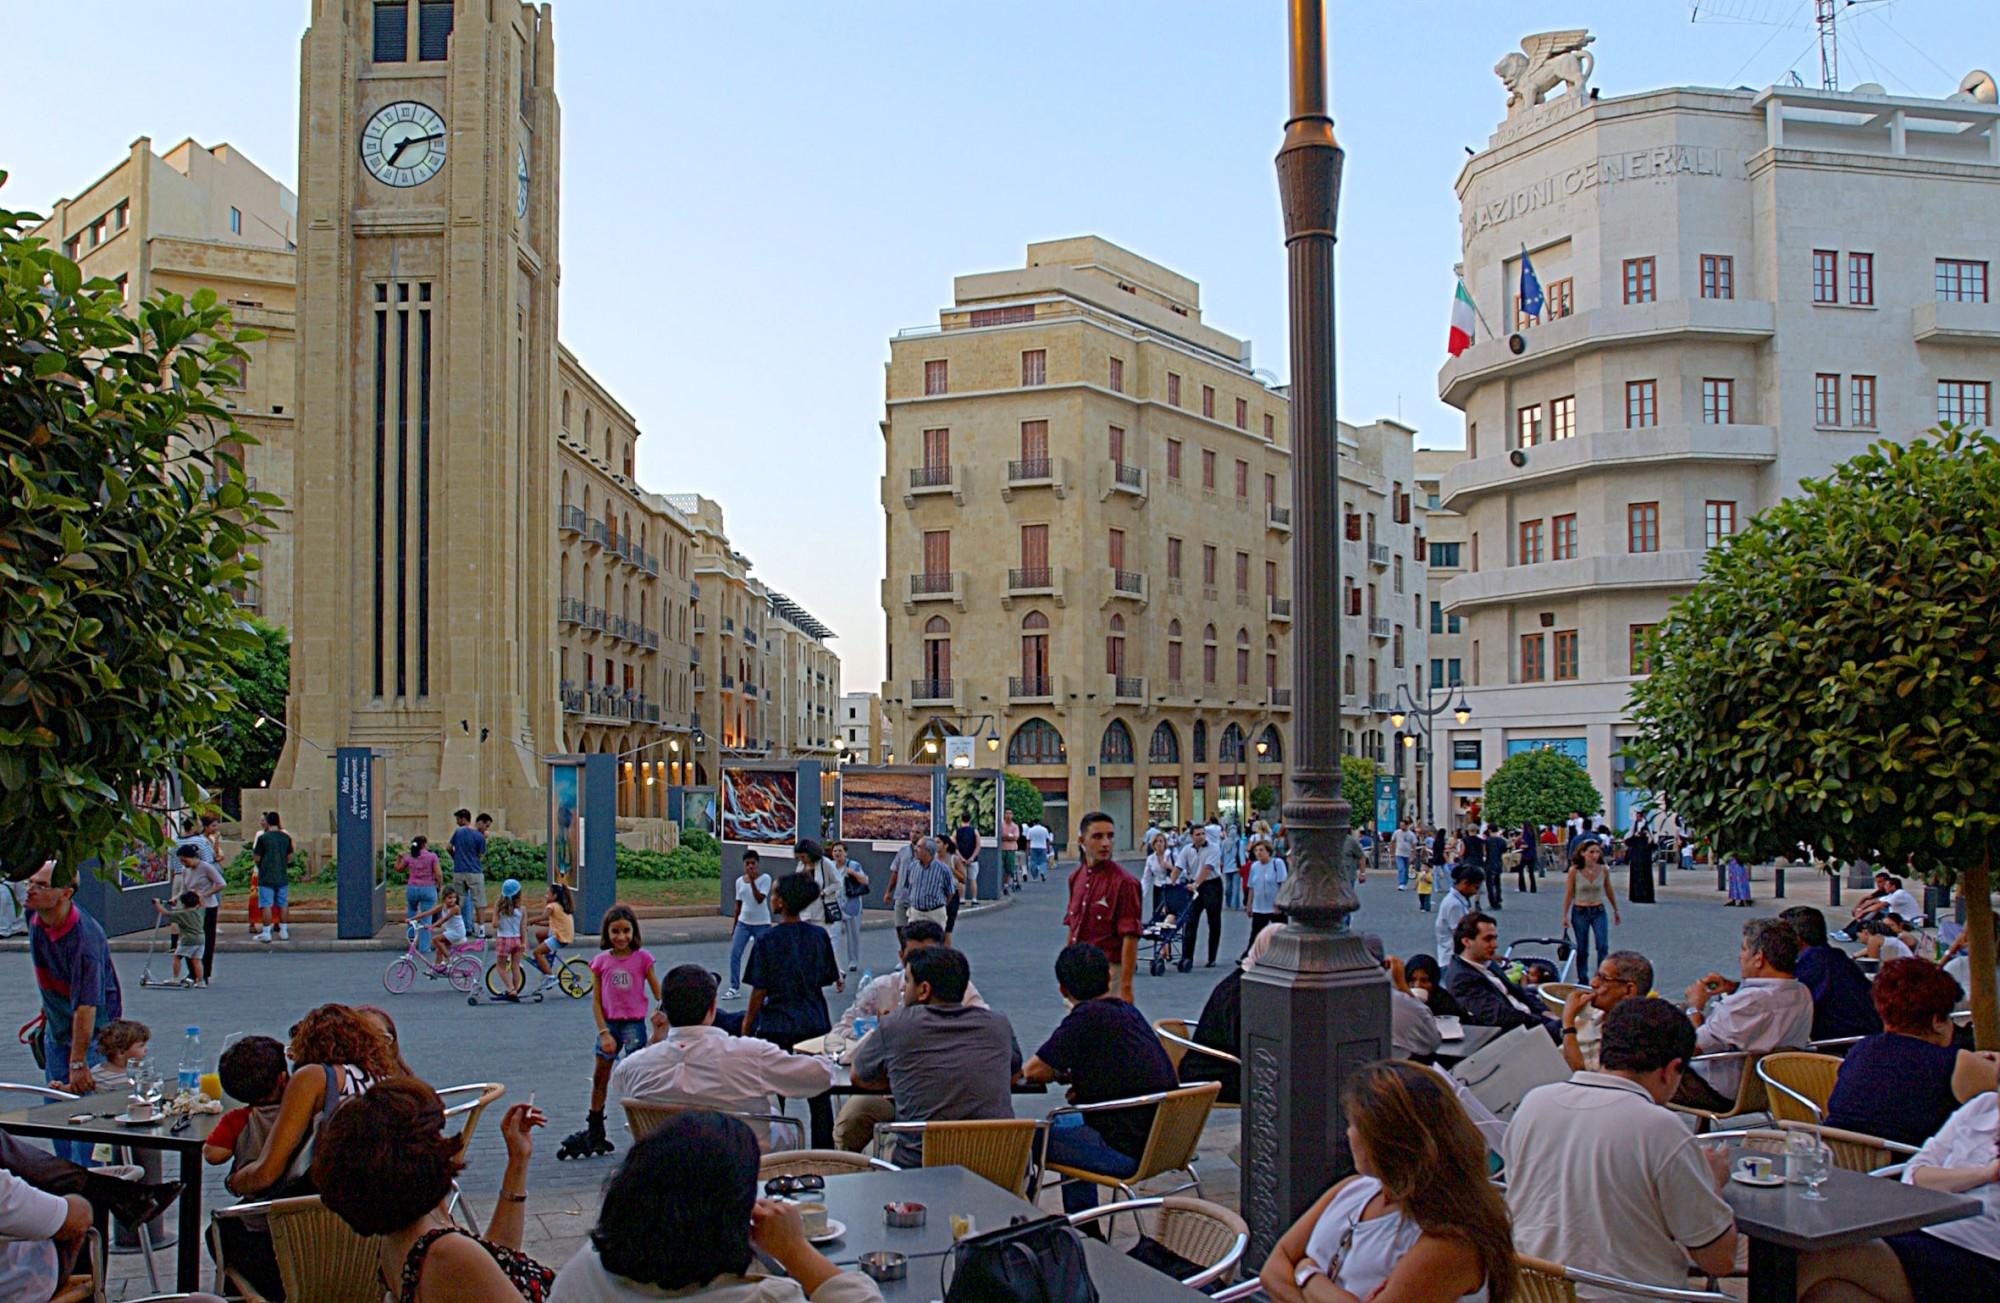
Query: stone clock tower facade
[423, 498]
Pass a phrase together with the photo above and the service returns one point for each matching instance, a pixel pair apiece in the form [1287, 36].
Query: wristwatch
[1569, 1031]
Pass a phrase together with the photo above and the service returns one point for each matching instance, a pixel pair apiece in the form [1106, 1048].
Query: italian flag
[1461, 322]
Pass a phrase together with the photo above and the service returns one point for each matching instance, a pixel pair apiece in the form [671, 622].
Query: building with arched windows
[1088, 496]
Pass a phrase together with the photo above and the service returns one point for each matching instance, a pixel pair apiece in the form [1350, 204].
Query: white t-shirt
[755, 911]
[1406, 843]
[1900, 901]
[1038, 837]
[1966, 1140]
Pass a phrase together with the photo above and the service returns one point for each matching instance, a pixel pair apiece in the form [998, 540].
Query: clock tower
[422, 492]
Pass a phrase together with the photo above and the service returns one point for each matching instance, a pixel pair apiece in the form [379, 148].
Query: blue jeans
[739, 942]
[420, 900]
[1402, 871]
[1038, 865]
[850, 923]
[1232, 889]
[1584, 920]
[1075, 1143]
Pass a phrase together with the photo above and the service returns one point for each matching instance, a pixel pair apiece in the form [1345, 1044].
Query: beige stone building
[204, 217]
[861, 727]
[1088, 494]
[1741, 289]
[1448, 649]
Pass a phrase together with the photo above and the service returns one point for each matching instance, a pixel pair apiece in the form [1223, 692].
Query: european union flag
[1531, 289]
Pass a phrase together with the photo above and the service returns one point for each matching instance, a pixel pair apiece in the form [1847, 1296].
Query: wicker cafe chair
[1001, 1150]
[819, 1162]
[1556, 994]
[483, 1093]
[1204, 1233]
[1798, 1084]
[85, 1285]
[1856, 1151]
[1547, 1282]
[644, 1116]
[1177, 1039]
[1178, 1119]
[319, 1256]
[1749, 1091]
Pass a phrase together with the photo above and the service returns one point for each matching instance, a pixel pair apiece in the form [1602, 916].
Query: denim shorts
[272, 897]
[627, 1033]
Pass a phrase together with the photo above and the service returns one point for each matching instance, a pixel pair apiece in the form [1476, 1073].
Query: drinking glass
[1818, 1165]
[1798, 1145]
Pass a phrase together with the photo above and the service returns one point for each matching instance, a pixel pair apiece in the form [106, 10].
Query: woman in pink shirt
[419, 864]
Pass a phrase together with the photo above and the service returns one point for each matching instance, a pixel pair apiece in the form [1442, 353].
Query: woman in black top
[1903, 1083]
[1639, 860]
[1426, 981]
[789, 971]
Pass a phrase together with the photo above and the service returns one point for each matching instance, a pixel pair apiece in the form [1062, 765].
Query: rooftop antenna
[1780, 13]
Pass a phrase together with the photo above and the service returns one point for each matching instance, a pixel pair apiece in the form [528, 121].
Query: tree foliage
[1024, 799]
[124, 526]
[1541, 784]
[249, 750]
[1262, 797]
[1830, 681]
[1357, 784]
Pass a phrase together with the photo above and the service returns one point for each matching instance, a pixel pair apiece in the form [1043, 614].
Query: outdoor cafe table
[1782, 1223]
[52, 1122]
[1474, 1040]
[856, 1201]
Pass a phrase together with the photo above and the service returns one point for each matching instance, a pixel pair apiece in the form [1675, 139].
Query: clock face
[520, 180]
[403, 144]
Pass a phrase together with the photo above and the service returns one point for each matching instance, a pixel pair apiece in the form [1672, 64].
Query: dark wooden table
[857, 1200]
[1782, 1223]
[52, 1122]
[1476, 1038]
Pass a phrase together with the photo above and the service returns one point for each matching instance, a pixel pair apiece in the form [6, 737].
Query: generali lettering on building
[1604, 170]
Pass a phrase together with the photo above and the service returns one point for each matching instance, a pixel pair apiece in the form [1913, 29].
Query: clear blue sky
[756, 196]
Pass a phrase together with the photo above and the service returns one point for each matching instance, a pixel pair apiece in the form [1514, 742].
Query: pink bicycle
[461, 969]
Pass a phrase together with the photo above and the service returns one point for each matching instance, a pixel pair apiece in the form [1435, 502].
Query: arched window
[1114, 647]
[1201, 742]
[564, 590]
[625, 600]
[1230, 750]
[1117, 746]
[1208, 655]
[1165, 748]
[1035, 656]
[1242, 657]
[565, 488]
[1035, 743]
[1174, 653]
[937, 656]
[927, 747]
[586, 501]
[1273, 742]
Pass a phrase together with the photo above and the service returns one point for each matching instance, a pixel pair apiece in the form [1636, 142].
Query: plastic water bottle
[190, 1068]
[867, 976]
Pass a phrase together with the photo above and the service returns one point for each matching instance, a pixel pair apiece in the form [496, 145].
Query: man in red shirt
[1104, 904]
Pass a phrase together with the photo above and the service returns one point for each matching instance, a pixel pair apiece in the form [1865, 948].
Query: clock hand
[409, 141]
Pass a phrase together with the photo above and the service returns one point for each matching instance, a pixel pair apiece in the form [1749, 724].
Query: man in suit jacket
[1490, 1000]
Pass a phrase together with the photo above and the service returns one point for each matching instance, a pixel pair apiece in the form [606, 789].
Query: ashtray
[904, 1215]
[884, 1266]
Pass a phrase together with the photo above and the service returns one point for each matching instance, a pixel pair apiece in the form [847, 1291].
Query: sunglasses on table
[802, 1184]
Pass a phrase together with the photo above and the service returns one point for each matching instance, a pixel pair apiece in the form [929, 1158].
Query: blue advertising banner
[1388, 812]
[359, 906]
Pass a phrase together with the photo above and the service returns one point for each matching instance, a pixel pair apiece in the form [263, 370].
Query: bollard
[1663, 870]
[1721, 876]
[1778, 882]
[1833, 887]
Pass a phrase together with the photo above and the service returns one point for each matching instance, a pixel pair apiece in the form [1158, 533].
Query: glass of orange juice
[211, 1085]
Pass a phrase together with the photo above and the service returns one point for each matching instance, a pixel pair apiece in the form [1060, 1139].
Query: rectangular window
[392, 31]
[1437, 675]
[937, 377]
[1208, 469]
[937, 449]
[1034, 367]
[1208, 564]
[1399, 573]
[1173, 558]
[1528, 426]
[1861, 278]
[1964, 402]
[1173, 389]
[1639, 649]
[1534, 662]
[1242, 414]
[1642, 527]
[1826, 285]
[1437, 617]
[1035, 549]
[1208, 401]
[1559, 299]
[1826, 399]
[1002, 316]
[1115, 549]
[433, 30]
[1718, 401]
[1565, 654]
[1243, 480]
[1718, 276]
[1562, 541]
[1959, 281]
[1173, 459]
[72, 247]
[1639, 285]
[1861, 404]
[1117, 375]
[1035, 445]
[1115, 438]
[1562, 418]
[236, 221]
[1270, 490]
[937, 552]
[1242, 572]
[1529, 553]
[1642, 403]
[121, 216]
[1719, 519]
[1270, 428]
[1445, 554]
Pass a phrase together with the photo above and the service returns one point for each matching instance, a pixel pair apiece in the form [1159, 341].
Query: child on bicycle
[507, 928]
[450, 926]
[624, 973]
[559, 930]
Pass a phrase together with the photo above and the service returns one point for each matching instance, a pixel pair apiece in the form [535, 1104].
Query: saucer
[834, 1230]
[1744, 1178]
[127, 1120]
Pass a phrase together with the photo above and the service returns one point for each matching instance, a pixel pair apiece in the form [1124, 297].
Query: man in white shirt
[1768, 1010]
[1405, 849]
[1039, 840]
[39, 1235]
[854, 1129]
[1602, 1177]
[692, 1061]
[1201, 870]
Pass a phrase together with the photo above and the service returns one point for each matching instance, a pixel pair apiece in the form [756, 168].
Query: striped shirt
[930, 884]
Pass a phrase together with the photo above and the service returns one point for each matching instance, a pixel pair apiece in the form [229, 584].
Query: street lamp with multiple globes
[1431, 708]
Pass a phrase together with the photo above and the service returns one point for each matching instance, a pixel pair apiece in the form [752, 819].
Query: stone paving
[543, 1051]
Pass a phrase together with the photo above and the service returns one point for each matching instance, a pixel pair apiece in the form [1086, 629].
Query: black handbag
[1038, 1261]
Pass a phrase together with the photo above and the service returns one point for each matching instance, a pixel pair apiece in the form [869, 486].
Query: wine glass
[1817, 1163]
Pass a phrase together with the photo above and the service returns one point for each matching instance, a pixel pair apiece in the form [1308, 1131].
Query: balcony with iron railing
[1031, 579]
[1120, 477]
[1280, 698]
[1128, 687]
[572, 698]
[701, 683]
[599, 533]
[1278, 518]
[1381, 701]
[570, 610]
[945, 586]
[1281, 608]
[571, 519]
[728, 682]
[1031, 688]
[931, 692]
[700, 624]
[728, 625]
[1034, 473]
[1129, 584]
[1378, 554]
[594, 619]
[1378, 626]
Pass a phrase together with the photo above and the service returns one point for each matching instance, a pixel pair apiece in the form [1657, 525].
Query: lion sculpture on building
[1547, 60]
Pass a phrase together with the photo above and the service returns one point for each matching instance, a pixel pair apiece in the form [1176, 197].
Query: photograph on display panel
[760, 805]
[976, 796]
[698, 810]
[884, 807]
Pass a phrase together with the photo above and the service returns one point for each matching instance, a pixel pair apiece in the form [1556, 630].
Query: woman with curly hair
[385, 1167]
[1418, 1221]
[336, 1055]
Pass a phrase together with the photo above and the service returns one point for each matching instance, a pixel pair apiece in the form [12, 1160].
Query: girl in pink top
[624, 973]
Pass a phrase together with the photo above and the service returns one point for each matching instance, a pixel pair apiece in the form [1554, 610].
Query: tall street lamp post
[1422, 715]
[1316, 1007]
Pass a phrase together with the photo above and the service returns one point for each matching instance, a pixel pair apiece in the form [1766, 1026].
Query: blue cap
[194, 1031]
[511, 887]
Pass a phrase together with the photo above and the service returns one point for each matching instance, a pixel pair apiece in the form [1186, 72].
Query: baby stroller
[1537, 969]
[1167, 932]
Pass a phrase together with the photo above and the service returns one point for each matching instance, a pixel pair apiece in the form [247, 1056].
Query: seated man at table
[1489, 999]
[882, 996]
[698, 1062]
[39, 1236]
[1106, 1050]
[941, 1058]
[1768, 1010]
[1600, 1176]
[1624, 975]
[1843, 1000]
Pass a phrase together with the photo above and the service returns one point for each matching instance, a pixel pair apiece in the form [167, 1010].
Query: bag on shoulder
[1038, 1261]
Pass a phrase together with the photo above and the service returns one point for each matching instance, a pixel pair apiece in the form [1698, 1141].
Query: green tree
[125, 525]
[1024, 799]
[1262, 797]
[1830, 681]
[1543, 785]
[1357, 784]
[249, 747]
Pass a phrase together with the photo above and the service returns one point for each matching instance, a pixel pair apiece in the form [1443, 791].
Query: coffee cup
[813, 1217]
[1756, 1167]
[139, 1110]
